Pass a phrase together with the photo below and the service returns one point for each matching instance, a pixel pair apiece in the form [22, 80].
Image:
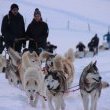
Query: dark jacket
[39, 32]
[12, 27]
[91, 46]
[1, 44]
[81, 46]
[107, 37]
[95, 41]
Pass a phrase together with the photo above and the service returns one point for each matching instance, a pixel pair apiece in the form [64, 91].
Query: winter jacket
[12, 27]
[39, 32]
[1, 44]
[91, 46]
[95, 41]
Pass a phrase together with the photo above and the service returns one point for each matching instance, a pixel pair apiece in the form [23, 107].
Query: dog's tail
[105, 84]
[57, 63]
[70, 55]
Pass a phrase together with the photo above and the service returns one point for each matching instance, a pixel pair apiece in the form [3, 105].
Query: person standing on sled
[37, 32]
[95, 43]
[13, 28]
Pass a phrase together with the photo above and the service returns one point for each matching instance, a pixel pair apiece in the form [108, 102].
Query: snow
[57, 13]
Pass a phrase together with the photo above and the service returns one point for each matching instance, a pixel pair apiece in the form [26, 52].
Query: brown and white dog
[59, 77]
[65, 64]
[61, 63]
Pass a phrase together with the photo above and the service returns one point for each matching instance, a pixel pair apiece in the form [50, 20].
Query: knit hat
[37, 12]
[14, 6]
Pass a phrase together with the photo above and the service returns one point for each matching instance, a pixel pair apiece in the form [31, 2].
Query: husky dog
[34, 84]
[60, 63]
[31, 76]
[91, 84]
[65, 64]
[28, 59]
[13, 66]
[12, 74]
[56, 86]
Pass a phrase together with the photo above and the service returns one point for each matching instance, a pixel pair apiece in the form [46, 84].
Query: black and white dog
[56, 86]
[91, 85]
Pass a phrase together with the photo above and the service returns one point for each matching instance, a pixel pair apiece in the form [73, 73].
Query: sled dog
[34, 84]
[28, 59]
[12, 74]
[91, 84]
[61, 63]
[56, 86]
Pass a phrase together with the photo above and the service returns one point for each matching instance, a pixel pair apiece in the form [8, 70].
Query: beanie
[37, 12]
[14, 6]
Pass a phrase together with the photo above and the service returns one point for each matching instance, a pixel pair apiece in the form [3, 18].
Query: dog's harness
[55, 91]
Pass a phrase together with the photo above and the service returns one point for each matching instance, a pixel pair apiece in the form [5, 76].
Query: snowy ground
[57, 13]
[12, 98]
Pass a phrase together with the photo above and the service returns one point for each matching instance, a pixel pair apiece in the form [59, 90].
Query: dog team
[52, 81]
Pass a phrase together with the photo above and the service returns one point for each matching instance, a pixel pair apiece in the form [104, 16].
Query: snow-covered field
[79, 14]
[12, 98]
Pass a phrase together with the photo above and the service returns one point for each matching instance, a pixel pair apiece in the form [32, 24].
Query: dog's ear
[35, 54]
[95, 63]
[90, 64]
[15, 57]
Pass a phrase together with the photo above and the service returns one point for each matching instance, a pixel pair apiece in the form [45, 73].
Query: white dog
[34, 84]
[31, 74]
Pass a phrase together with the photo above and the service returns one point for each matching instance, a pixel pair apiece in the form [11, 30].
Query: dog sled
[83, 54]
[104, 46]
